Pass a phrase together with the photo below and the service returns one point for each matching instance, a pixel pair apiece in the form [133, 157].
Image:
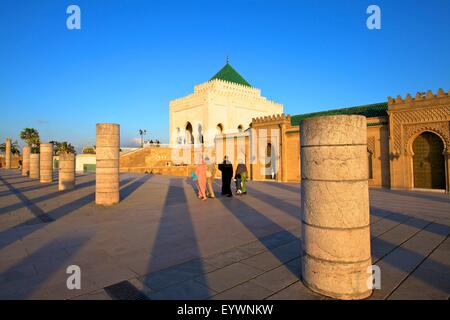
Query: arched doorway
[219, 129]
[200, 133]
[188, 134]
[428, 161]
[270, 165]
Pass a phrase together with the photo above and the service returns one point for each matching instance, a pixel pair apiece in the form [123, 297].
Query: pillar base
[345, 281]
[336, 296]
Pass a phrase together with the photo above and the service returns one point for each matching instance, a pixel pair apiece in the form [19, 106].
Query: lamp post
[142, 133]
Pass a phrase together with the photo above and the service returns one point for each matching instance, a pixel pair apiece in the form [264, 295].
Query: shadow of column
[12, 287]
[174, 261]
[252, 219]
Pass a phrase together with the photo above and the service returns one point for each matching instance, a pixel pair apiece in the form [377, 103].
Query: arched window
[200, 133]
[188, 134]
[219, 128]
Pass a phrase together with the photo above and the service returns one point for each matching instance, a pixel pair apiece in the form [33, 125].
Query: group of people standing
[205, 172]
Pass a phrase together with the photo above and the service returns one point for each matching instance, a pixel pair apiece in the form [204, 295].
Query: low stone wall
[146, 157]
[14, 161]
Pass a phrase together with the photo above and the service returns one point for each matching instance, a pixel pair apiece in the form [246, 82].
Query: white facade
[217, 106]
[82, 159]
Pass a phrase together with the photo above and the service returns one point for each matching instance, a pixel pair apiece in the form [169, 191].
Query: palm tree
[64, 147]
[55, 145]
[14, 148]
[31, 138]
[36, 146]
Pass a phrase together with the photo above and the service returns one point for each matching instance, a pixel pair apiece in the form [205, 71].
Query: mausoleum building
[408, 139]
[225, 104]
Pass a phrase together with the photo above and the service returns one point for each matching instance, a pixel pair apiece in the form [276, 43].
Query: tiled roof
[370, 110]
[228, 73]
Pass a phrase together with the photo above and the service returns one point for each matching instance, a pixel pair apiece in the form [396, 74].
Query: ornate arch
[413, 131]
[404, 121]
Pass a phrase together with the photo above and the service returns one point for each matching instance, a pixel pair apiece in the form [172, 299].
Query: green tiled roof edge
[370, 110]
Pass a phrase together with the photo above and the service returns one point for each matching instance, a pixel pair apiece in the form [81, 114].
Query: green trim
[89, 167]
[228, 73]
[370, 110]
[381, 123]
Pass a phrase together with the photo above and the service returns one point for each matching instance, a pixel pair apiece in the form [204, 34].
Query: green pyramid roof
[228, 73]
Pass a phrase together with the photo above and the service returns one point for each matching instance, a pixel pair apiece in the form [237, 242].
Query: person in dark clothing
[241, 178]
[227, 174]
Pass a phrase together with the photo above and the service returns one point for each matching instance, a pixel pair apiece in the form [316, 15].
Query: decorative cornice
[420, 96]
[276, 118]
[225, 88]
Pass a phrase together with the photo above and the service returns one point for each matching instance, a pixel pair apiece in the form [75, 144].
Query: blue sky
[131, 57]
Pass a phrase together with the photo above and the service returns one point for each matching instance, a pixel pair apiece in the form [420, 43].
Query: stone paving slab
[228, 277]
[392, 238]
[226, 258]
[188, 290]
[273, 258]
[296, 291]
[168, 245]
[245, 291]
[176, 274]
[403, 260]
[430, 279]
[280, 277]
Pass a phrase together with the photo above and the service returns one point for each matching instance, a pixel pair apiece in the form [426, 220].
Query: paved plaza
[161, 242]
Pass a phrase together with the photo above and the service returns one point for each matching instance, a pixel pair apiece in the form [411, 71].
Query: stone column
[335, 206]
[34, 165]
[107, 164]
[26, 161]
[66, 171]
[8, 154]
[46, 162]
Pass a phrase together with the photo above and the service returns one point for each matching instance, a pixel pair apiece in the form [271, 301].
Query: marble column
[66, 171]
[107, 164]
[8, 154]
[34, 166]
[26, 161]
[46, 162]
[336, 258]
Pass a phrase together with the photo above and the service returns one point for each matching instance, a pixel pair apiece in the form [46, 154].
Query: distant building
[408, 139]
[408, 142]
[225, 104]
